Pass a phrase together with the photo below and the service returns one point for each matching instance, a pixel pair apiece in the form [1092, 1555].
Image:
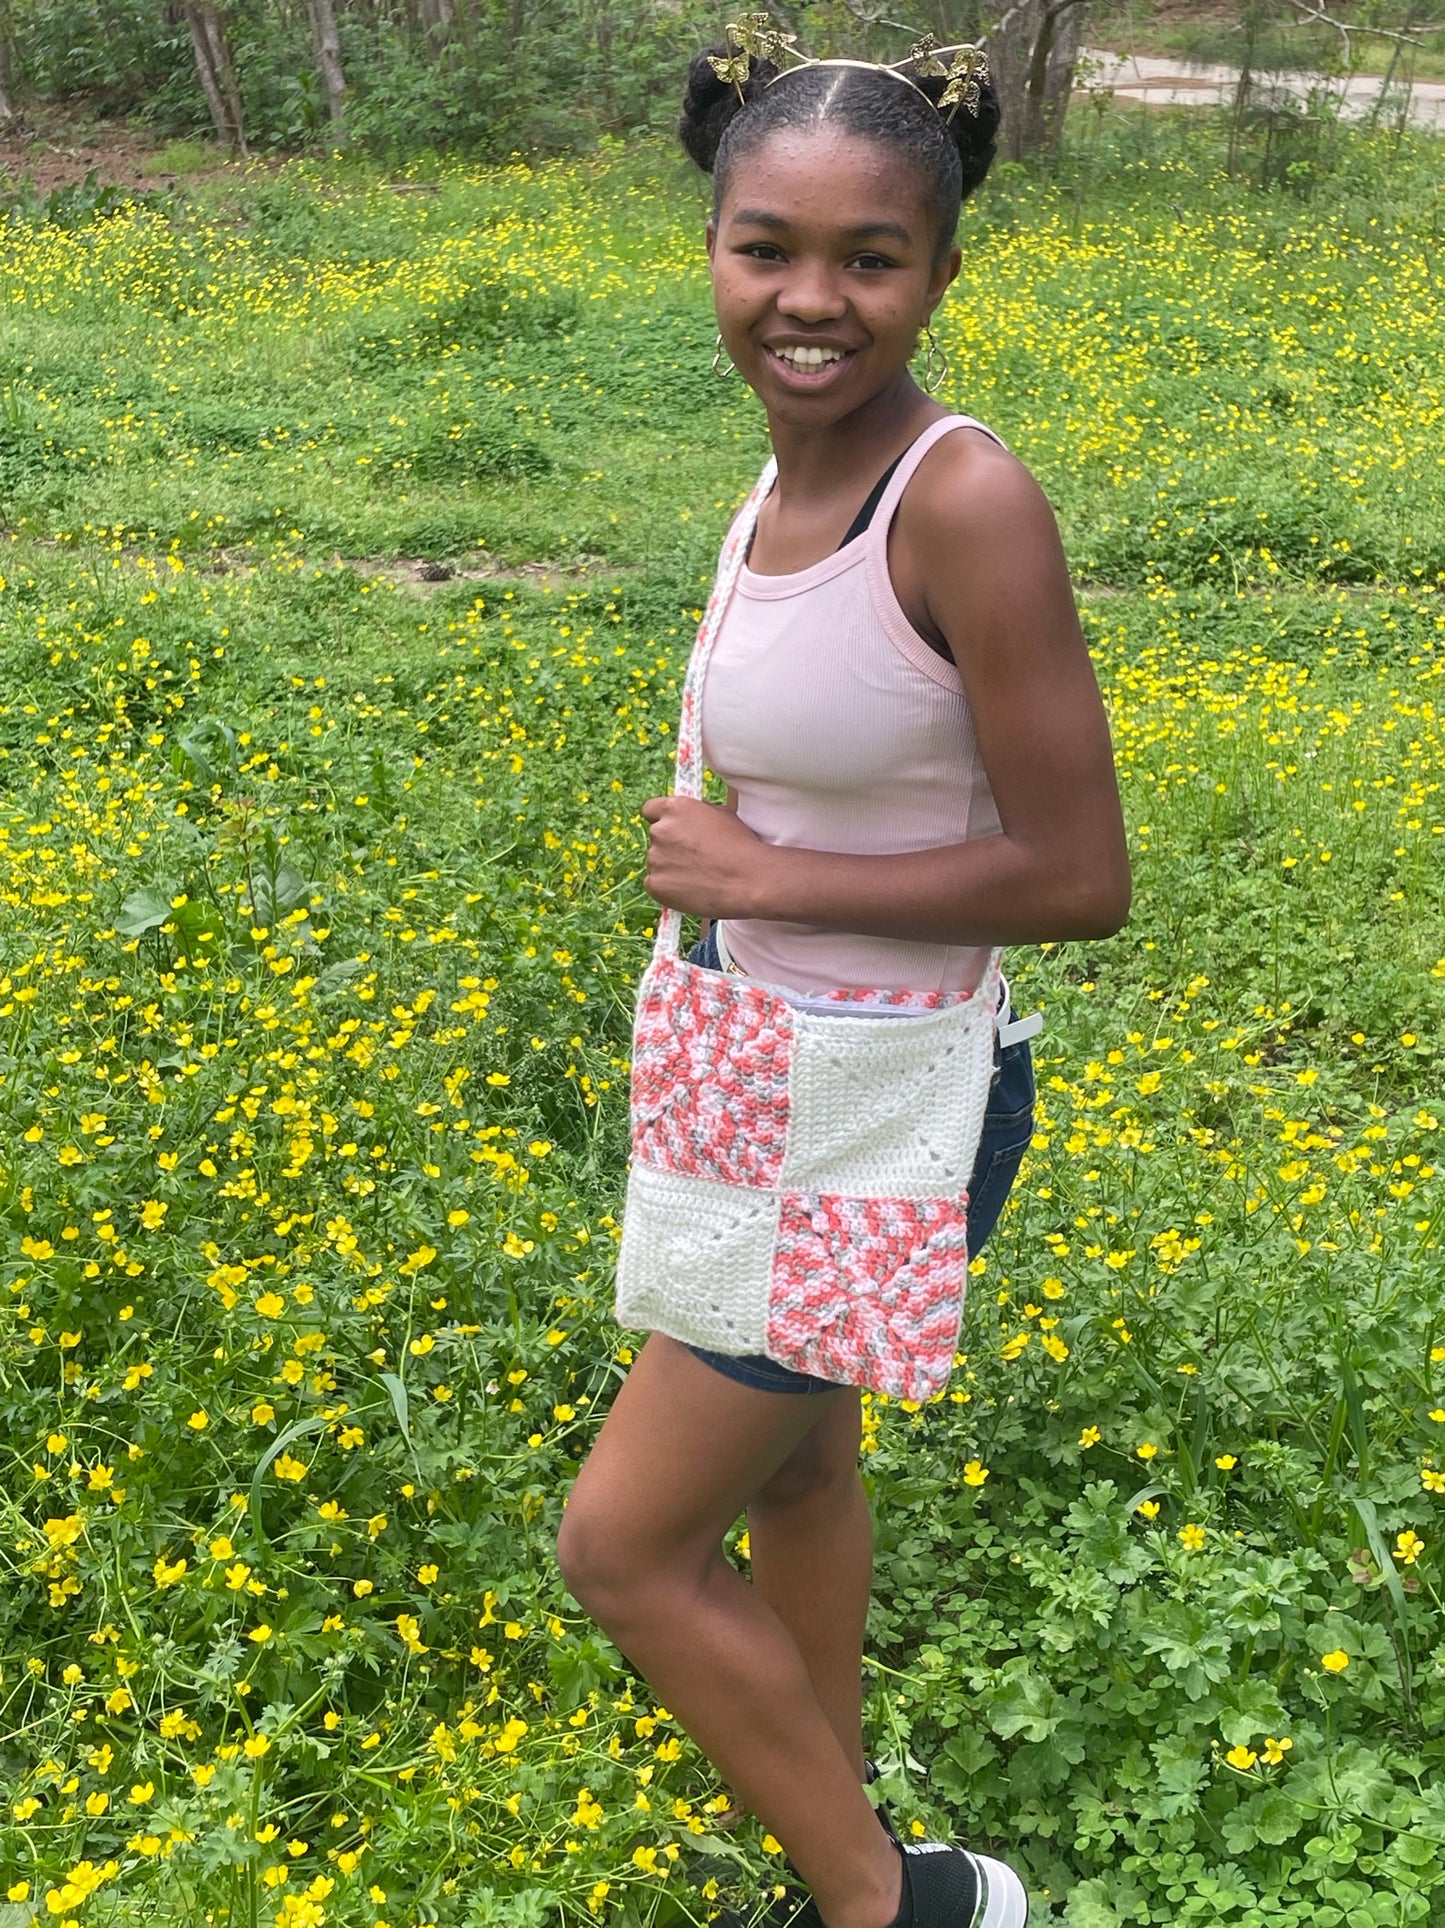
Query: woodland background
[490, 77]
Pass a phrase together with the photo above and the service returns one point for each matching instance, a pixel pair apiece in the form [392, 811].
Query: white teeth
[809, 357]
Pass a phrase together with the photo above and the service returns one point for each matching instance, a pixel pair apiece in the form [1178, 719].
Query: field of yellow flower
[352, 543]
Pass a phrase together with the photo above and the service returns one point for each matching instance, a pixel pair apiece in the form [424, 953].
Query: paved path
[1187, 84]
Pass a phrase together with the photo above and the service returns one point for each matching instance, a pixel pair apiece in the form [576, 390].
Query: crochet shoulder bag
[798, 1182]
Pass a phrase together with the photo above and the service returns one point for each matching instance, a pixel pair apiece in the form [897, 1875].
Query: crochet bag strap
[687, 778]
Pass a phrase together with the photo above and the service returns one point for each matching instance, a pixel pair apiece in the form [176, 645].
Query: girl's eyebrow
[863, 231]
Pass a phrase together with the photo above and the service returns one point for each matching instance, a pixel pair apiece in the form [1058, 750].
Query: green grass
[184, 157]
[320, 909]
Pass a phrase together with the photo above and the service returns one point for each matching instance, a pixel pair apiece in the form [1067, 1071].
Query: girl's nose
[812, 295]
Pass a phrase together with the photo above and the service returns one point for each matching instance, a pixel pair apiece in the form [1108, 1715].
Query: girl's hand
[701, 858]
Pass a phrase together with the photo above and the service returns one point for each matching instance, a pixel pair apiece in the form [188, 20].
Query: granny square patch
[887, 1107]
[695, 1260]
[710, 1075]
[869, 1291]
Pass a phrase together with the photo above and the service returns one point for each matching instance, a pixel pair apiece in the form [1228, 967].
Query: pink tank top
[841, 729]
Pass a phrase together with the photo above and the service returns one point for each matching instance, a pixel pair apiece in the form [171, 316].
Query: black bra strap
[875, 496]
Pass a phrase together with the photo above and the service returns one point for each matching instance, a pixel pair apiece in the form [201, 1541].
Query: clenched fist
[702, 859]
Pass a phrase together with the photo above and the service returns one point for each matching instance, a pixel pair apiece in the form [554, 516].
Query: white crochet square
[696, 1260]
[888, 1106]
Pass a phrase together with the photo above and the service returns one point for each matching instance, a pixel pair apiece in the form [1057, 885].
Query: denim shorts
[1008, 1125]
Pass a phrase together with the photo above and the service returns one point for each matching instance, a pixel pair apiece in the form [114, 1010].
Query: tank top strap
[883, 519]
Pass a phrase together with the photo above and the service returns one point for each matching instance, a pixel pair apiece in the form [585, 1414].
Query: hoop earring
[935, 372]
[720, 354]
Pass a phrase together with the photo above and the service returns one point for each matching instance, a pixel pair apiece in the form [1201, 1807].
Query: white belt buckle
[1017, 1028]
[724, 955]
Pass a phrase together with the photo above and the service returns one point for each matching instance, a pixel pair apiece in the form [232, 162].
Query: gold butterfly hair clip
[754, 37]
[966, 78]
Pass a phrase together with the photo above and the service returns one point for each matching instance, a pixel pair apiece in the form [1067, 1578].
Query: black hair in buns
[953, 156]
[975, 136]
[710, 105]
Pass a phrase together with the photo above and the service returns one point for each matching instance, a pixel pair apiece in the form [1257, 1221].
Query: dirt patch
[1176, 83]
[58, 146]
[419, 577]
[1132, 29]
[1195, 13]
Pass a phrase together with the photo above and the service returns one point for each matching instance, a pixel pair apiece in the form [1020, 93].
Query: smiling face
[825, 266]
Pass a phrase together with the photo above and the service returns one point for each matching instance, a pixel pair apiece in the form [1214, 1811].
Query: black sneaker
[948, 1887]
[952, 1887]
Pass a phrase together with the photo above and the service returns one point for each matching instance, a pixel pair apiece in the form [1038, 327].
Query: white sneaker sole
[1003, 1902]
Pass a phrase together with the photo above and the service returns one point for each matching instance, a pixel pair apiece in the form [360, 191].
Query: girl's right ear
[711, 235]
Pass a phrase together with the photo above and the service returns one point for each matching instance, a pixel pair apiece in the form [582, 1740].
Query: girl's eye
[872, 261]
[763, 251]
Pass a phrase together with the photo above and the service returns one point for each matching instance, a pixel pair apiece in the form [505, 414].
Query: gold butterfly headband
[754, 37]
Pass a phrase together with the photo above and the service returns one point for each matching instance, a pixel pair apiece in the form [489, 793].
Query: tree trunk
[9, 113]
[327, 43]
[216, 72]
[437, 18]
[1243, 92]
[1033, 48]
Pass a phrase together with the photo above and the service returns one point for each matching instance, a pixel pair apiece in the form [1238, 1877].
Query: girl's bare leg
[682, 1453]
[810, 1535]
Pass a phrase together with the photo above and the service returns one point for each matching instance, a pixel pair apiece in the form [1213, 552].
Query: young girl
[919, 768]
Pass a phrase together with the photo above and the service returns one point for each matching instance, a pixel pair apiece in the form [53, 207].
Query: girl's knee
[613, 1574]
[586, 1555]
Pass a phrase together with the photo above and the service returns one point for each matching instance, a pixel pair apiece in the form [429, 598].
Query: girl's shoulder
[969, 488]
[974, 540]
[963, 445]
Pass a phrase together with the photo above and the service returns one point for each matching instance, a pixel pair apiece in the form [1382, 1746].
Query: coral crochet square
[712, 1062]
[869, 1291]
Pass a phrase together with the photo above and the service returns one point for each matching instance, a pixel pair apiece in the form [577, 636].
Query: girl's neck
[816, 463]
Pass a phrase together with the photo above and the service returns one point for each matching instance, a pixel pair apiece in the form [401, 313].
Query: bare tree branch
[870, 17]
[1312, 14]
